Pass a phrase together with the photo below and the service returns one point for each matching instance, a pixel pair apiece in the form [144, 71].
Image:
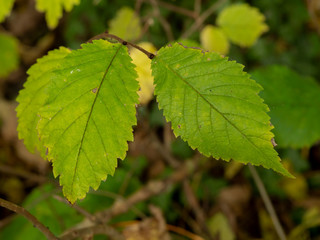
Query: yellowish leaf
[126, 24]
[143, 68]
[214, 39]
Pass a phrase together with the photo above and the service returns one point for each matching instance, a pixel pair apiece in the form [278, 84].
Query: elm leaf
[214, 106]
[88, 115]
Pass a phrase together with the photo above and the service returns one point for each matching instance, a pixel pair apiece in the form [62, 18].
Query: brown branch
[197, 7]
[178, 9]
[106, 34]
[20, 210]
[311, 5]
[194, 204]
[93, 230]
[202, 18]
[77, 208]
[24, 174]
[166, 26]
[152, 188]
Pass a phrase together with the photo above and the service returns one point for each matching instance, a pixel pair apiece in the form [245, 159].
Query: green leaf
[5, 8]
[294, 102]
[34, 96]
[88, 116]
[126, 24]
[242, 24]
[9, 57]
[219, 225]
[215, 106]
[54, 9]
[213, 39]
[54, 214]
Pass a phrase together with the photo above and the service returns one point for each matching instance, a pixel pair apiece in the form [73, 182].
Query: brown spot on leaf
[94, 90]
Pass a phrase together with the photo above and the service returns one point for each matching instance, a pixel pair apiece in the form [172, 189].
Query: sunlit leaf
[88, 113]
[214, 106]
[242, 24]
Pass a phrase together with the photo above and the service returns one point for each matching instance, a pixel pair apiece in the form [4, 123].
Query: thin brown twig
[93, 230]
[313, 15]
[22, 211]
[152, 188]
[177, 9]
[4, 222]
[166, 26]
[172, 228]
[137, 6]
[197, 7]
[267, 202]
[194, 203]
[106, 34]
[200, 20]
[24, 174]
[77, 208]
[115, 196]
[121, 206]
[164, 153]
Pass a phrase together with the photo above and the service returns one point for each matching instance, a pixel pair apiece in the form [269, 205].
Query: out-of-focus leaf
[54, 9]
[266, 225]
[5, 8]
[310, 219]
[56, 215]
[219, 226]
[294, 102]
[232, 169]
[181, 149]
[297, 188]
[242, 24]
[9, 57]
[143, 68]
[214, 39]
[126, 24]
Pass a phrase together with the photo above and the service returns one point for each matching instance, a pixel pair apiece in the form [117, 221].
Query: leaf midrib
[89, 116]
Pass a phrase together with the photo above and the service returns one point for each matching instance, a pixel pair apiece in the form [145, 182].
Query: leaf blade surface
[215, 106]
[89, 114]
[34, 96]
